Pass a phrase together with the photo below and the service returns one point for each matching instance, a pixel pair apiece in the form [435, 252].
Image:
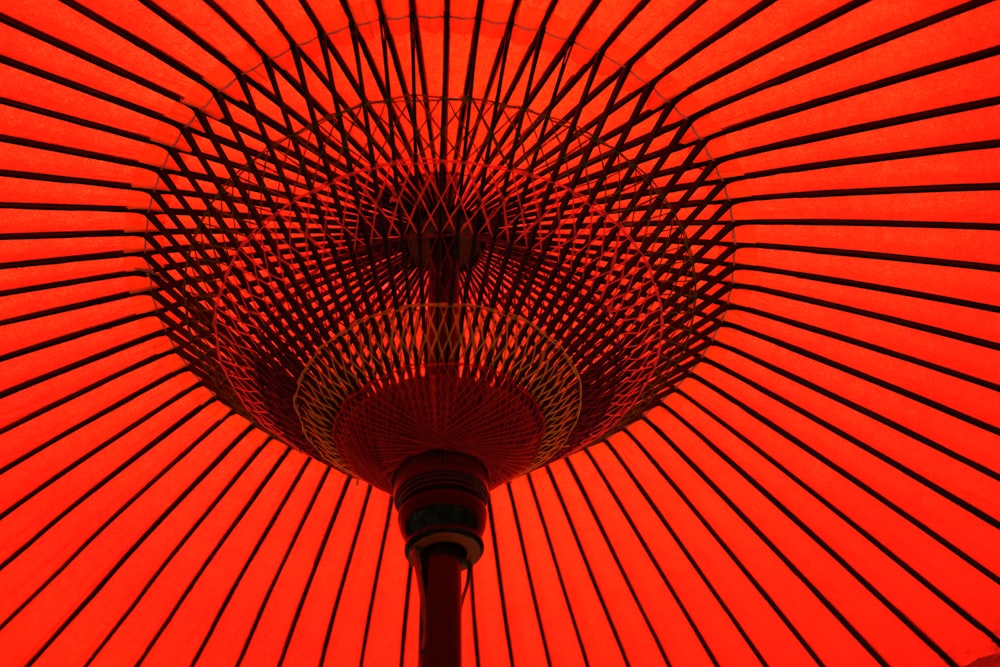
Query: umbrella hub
[441, 499]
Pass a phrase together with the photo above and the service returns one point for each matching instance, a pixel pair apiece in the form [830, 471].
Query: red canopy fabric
[821, 487]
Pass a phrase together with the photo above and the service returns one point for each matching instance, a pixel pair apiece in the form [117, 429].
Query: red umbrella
[720, 313]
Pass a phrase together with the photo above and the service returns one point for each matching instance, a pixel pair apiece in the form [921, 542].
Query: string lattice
[349, 285]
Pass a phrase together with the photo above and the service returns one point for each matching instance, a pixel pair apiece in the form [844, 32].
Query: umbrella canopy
[809, 476]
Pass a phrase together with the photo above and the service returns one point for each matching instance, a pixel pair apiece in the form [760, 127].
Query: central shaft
[441, 608]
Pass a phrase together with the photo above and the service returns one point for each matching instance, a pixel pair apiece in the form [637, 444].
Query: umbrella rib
[761, 534]
[773, 45]
[943, 149]
[378, 569]
[621, 570]
[889, 352]
[898, 390]
[144, 45]
[881, 256]
[104, 526]
[88, 90]
[76, 120]
[69, 308]
[940, 539]
[445, 71]
[79, 462]
[927, 70]
[68, 207]
[88, 57]
[62, 149]
[74, 282]
[78, 363]
[719, 34]
[408, 592]
[971, 464]
[99, 383]
[37, 235]
[320, 551]
[829, 505]
[500, 586]
[599, 53]
[284, 562]
[680, 545]
[264, 481]
[587, 96]
[390, 50]
[843, 55]
[559, 574]
[860, 128]
[533, 52]
[68, 259]
[296, 139]
[813, 535]
[231, 447]
[586, 562]
[875, 315]
[79, 334]
[352, 550]
[960, 225]
[718, 539]
[858, 191]
[248, 562]
[527, 570]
